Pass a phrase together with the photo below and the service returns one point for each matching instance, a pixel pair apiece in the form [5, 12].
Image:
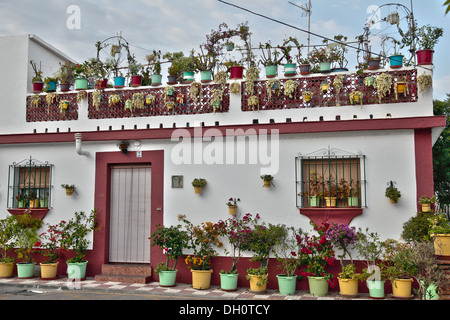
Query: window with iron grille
[29, 184]
[331, 178]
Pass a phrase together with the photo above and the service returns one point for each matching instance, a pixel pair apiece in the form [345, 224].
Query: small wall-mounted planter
[232, 210]
[70, 189]
[267, 178]
[199, 184]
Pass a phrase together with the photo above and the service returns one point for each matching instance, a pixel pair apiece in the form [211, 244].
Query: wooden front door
[130, 214]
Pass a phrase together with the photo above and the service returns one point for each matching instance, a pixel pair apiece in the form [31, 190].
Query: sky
[182, 25]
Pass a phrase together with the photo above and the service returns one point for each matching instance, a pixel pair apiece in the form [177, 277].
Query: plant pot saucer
[377, 298]
[349, 296]
[403, 298]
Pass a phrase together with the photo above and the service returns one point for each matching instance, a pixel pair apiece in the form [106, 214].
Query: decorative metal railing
[308, 92]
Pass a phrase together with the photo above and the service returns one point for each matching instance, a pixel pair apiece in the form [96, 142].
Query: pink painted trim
[284, 128]
[424, 164]
[100, 253]
[333, 215]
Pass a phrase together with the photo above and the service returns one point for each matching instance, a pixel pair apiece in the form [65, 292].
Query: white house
[231, 146]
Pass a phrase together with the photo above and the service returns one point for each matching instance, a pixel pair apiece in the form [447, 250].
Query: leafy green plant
[417, 228]
[392, 192]
[286, 250]
[51, 242]
[199, 182]
[27, 237]
[75, 233]
[7, 237]
[171, 240]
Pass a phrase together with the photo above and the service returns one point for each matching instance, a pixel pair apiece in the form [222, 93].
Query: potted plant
[351, 192]
[316, 253]
[370, 249]
[70, 188]
[344, 238]
[232, 206]
[426, 202]
[286, 254]
[26, 235]
[338, 49]
[51, 243]
[290, 86]
[199, 184]
[171, 240]
[267, 178]
[174, 70]
[134, 72]
[392, 192]
[262, 239]
[236, 231]
[314, 192]
[401, 267]
[427, 37]
[290, 67]
[65, 75]
[154, 67]
[50, 84]
[74, 237]
[80, 76]
[205, 61]
[269, 59]
[43, 202]
[440, 232]
[21, 200]
[203, 240]
[38, 84]
[8, 226]
[322, 58]
[330, 193]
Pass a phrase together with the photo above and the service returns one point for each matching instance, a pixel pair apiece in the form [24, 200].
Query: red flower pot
[236, 72]
[38, 87]
[101, 84]
[425, 57]
[136, 81]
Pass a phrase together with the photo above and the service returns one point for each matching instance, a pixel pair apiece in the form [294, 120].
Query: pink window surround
[100, 253]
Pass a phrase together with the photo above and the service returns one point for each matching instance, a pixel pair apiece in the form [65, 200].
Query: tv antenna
[306, 12]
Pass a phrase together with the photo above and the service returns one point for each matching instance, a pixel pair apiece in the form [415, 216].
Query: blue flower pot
[119, 82]
[396, 61]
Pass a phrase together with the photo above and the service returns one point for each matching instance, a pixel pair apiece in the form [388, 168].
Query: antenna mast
[307, 12]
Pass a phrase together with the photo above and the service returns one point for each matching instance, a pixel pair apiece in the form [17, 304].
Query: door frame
[103, 162]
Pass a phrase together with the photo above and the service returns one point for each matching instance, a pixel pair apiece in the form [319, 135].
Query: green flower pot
[376, 288]
[271, 71]
[286, 284]
[290, 69]
[318, 286]
[25, 270]
[76, 270]
[167, 278]
[228, 281]
[156, 79]
[205, 76]
[81, 84]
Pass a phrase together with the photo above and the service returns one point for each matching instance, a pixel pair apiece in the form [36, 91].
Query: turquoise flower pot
[156, 79]
[167, 278]
[376, 288]
[205, 75]
[290, 69]
[286, 284]
[228, 281]
[396, 61]
[271, 71]
[76, 270]
[25, 270]
[119, 82]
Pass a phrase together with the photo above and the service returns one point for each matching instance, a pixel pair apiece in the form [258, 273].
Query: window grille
[29, 184]
[330, 178]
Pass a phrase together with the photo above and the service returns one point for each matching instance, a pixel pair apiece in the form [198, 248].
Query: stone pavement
[183, 290]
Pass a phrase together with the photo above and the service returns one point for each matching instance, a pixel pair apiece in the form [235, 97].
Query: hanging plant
[35, 100]
[169, 90]
[356, 97]
[216, 99]
[424, 81]
[150, 99]
[138, 100]
[221, 78]
[114, 99]
[251, 75]
[235, 87]
[96, 98]
[307, 96]
[273, 85]
[369, 81]
[63, 105]
[401, 86]
[338, 83]
[51, 97]
[81, 95]
[253, 101]
[196, 91]
[383, 84]
[289, 88]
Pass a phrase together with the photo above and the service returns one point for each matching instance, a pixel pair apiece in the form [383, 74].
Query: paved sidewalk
[184, 290]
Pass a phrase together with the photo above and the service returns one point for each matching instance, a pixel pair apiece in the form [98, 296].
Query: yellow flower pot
[267, 183]
[6, 269]
[442, 245]
[426, 207]
[34, 203]
[232, 210]
[348, 287]
[198, 190]
[49, 271]
[330, 201]
[402, 288]
[201, 279]
[254, 286]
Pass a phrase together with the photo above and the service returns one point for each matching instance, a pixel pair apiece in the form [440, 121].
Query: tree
[447, 3]
[441, 154]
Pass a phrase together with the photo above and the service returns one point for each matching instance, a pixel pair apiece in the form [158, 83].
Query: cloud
[440, 87]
